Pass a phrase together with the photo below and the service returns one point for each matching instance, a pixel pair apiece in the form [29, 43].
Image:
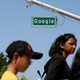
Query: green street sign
[41, 21]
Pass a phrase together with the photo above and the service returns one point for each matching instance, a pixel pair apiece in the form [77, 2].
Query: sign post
[41, 21]
[53, 9]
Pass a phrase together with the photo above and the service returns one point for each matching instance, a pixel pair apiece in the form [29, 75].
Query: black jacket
[57, 68]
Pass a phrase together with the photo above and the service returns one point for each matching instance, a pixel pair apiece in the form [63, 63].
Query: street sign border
[45, 26]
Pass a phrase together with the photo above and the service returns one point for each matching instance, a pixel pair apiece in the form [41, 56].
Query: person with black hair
[75, 67]
[57, 68]
[20, 54]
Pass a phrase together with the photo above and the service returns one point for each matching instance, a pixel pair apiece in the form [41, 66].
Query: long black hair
[55, 48]
[75, 67]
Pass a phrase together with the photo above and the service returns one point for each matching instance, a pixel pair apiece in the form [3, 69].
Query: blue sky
[15, 24]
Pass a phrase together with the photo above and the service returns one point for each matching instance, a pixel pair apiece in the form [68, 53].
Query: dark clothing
[75, 70]
[75, 76]
[57, 68]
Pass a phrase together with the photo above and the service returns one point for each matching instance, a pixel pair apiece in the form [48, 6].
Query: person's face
[69, 46]
[23, 63]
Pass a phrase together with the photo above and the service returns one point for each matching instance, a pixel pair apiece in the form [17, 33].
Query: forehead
[71, 40]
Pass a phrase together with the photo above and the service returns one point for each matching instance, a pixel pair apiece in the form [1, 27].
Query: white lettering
[35, 20]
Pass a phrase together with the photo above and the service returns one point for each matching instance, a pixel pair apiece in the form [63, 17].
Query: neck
[12, 68]
[65, 55]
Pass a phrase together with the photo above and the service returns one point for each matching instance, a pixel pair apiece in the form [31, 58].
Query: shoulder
[9, 75]
[57, 62]
[58, 57]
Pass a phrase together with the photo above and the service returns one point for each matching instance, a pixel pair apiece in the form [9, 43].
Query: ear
[15, 56]
[61, 45]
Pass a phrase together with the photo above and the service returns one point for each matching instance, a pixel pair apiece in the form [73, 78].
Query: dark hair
[75, 67]
[55, 48]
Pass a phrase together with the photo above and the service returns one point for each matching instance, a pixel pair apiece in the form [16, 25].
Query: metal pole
[54, 9]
